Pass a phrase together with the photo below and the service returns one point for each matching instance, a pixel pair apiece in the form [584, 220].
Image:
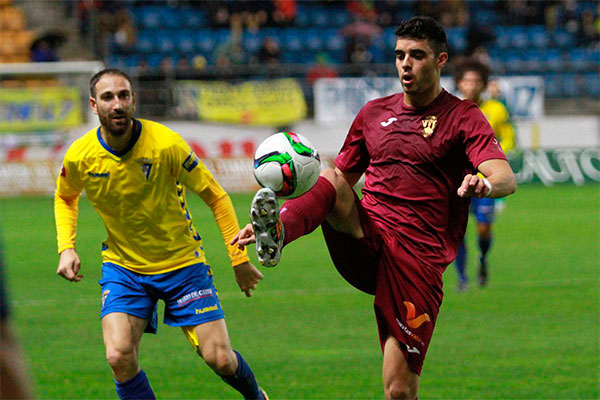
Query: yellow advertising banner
[271, 103]
[40, 109]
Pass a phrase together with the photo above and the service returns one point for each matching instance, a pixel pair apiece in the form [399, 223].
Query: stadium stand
[549, 39]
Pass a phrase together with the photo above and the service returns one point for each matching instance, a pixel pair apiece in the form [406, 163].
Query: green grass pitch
[533, 333]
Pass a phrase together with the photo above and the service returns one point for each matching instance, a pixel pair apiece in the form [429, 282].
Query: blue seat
[578, 59]
[172, 18]
[552, 60]
[292, 39]
[166, 43]
[389, 38]
[562, 38]
[569, 86]
[518, 37]
[303, 15]
[184, 41]
[514, 61]
[457, 38]
[339, 18]
[319, 17]
[532, 60]
[193, 18]
[146, 40]
[552, 86]
[334, 40]
[537, 36]
[150, 17]
[252, 41]
[502, 37]
[205, 40]
[154, 59]
[313, 39]
[592, 85]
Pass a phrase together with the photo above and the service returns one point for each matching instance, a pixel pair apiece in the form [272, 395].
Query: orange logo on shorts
[410, 316]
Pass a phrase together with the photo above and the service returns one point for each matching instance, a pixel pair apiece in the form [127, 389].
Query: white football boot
[264, 214]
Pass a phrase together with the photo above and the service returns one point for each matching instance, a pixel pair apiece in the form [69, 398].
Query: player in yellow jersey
[471, 78]
[135, 173]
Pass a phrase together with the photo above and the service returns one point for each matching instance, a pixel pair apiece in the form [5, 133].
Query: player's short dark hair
[470, 65]
[107, 71]
[424, 28]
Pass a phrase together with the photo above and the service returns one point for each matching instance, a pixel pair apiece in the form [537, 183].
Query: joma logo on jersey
[429, 123]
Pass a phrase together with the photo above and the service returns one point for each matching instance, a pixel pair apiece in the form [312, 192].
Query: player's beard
[116, 126]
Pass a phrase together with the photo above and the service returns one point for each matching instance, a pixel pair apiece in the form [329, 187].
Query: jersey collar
[137, 130]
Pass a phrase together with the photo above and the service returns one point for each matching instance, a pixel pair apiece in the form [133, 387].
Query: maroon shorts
[408, 292]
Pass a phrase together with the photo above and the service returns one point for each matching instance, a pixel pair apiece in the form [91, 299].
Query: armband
[489, 186]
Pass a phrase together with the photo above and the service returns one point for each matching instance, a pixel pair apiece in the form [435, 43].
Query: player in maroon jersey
[420, 152]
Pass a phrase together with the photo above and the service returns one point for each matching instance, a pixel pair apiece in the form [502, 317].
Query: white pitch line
[281, 293]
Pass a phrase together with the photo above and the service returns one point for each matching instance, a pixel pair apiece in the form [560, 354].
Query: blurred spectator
[284, 13]
[427, 8]
[387, 11]
[523, 12]
[453, 13]
[231, 52]
[357, 52]
[269, 52]
[42, 51]
[588, 33]
[167, 65]
[321, 69]
[125, 34]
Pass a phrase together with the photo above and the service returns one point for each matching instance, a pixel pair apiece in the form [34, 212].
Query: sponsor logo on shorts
[413, 322]
[207, 309]
[104, 296]
[410, 316]
[195, 295]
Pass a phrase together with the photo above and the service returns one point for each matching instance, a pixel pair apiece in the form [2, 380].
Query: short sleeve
[191, 172]
[354, 156]
[480, 141]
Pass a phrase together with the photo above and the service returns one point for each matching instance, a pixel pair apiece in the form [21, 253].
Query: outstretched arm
[500, 179]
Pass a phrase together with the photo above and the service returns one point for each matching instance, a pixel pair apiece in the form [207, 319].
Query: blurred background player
[135, 173]
[471, 78]
[14, 378]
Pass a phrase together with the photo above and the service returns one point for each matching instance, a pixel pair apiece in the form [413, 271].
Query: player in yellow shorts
[135, 173]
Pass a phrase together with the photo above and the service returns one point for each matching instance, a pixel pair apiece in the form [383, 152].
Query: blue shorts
[189, 295]
[483, 209]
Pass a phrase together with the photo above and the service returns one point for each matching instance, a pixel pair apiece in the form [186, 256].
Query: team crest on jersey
[429, 123]
[146, 165]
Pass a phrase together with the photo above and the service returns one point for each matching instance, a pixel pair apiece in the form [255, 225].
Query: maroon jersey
[414, 160]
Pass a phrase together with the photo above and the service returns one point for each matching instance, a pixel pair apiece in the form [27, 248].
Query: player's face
[419, 69]
[114, 104]
[471, 86]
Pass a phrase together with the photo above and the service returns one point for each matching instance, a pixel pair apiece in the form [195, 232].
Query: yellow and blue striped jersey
[499, 118]
[139, 194]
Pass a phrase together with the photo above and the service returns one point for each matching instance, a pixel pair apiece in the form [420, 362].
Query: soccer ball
[287, 163]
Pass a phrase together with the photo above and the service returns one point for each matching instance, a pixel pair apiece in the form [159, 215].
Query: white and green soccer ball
[287, 163]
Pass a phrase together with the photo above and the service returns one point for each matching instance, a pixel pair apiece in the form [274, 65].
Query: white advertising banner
[340, 99]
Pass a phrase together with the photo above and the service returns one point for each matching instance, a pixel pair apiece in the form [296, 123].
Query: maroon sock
[303, 215]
